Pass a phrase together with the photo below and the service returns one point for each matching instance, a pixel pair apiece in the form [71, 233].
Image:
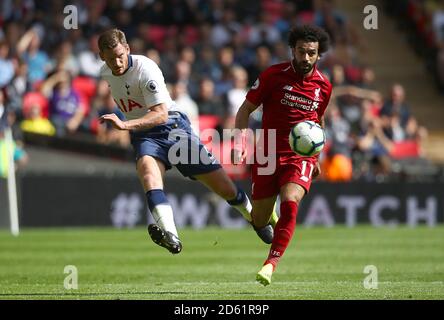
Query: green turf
[321, 263]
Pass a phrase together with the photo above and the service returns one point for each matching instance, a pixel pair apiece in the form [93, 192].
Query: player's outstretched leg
[219, 182]
[163, 232]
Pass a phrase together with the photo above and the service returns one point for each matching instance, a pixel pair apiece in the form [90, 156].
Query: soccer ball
[307, 138]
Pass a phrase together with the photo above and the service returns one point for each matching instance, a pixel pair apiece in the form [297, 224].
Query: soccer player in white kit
[139, 90]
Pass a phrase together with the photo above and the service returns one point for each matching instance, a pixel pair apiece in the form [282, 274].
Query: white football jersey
[139, 88]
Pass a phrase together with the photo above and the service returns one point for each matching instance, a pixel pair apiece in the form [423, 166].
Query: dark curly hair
[309, 33]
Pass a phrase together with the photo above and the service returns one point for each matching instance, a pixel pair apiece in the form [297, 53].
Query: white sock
[163, 215]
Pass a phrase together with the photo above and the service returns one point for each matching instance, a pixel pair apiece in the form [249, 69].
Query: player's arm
[317, 170]
[243, 114]
[158, 115]
[322, 122]
[240, 151]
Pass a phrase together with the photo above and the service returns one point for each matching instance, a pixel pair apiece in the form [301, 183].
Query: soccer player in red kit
[289, 92]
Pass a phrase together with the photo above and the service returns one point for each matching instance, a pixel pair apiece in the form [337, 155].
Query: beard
[304, 67]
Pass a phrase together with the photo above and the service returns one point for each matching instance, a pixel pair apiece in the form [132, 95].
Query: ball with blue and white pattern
[307, 138]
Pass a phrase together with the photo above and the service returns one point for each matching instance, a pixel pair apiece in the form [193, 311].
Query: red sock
[283, 232]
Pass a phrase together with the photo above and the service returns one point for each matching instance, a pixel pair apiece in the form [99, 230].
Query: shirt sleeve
[257, 93]
[152, 85]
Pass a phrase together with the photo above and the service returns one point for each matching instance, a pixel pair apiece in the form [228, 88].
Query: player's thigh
[262, 210]
[150, 171]
[219, 182]
[295, 178]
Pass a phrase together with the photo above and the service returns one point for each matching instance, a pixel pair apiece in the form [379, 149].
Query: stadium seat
[405, 149]
[273, 8]
[306, 17]
[85, 87]
[156, 34]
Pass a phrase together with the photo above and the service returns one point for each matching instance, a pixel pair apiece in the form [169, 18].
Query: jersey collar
[130, 63]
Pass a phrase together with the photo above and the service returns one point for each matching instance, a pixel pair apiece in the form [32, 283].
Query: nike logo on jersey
[289, 88]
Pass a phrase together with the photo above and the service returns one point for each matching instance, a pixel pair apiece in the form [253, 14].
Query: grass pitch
[218, 264]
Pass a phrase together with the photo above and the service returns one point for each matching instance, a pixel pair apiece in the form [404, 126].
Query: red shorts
[289, 168]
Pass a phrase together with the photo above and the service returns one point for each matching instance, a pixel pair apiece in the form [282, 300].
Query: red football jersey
[288, 98]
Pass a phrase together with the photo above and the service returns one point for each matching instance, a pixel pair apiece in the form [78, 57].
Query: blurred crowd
[210, 52]
[423, 23]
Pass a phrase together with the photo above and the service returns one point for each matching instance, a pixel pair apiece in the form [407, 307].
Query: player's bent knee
[151, 181]
[292, 192]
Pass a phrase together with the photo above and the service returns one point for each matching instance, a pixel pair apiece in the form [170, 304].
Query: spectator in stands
[262, 61]
[222, 31]
[367, 78]
[264, 33]
[281, 52]
[374, 145]
[154, 55]
[89, 60]
[395, 110]
[183, 75]
[34, 122]
[17, 88]
[185, 104]
[208, 102]
[6, 65]
[37, 60]
[236, 95]
[331, 19]
[64, 59]
[225, 62]
[206, 64]
[66, 110]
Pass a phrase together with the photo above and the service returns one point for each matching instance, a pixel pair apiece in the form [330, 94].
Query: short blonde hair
[110, 39]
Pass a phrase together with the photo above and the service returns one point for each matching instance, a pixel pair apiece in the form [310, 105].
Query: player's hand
[238, 155]
[316, 170]
[114, 120]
